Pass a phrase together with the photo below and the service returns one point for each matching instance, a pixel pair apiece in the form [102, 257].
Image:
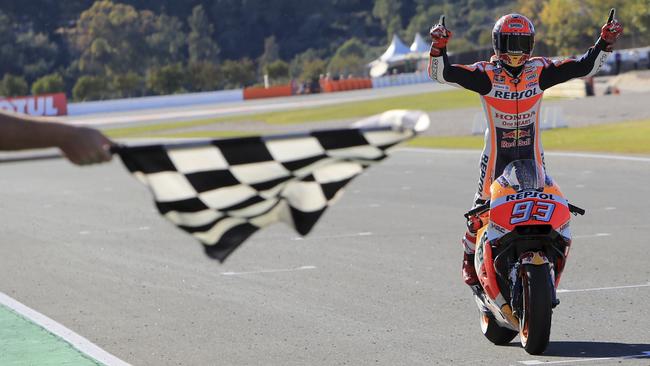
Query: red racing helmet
[513, 38]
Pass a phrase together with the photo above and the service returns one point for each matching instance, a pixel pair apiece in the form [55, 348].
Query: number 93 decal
[524, 211]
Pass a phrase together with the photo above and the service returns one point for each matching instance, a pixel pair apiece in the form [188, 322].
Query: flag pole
[26, 156]
[31, 157]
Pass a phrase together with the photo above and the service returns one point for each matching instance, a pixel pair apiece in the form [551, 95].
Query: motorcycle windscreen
[524, 175]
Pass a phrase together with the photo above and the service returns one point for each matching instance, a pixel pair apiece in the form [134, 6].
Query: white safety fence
[155, 102]
[400, 79]
[552, 117]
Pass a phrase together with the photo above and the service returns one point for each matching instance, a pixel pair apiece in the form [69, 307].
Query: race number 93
[524, 211]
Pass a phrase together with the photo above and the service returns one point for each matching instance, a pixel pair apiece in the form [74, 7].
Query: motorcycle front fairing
[528, 215]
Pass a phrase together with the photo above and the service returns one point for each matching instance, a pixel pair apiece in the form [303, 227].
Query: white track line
[268, 271]
[365, 233]
[604, 288]
[565, 154]
[78, 342]
[596, 235]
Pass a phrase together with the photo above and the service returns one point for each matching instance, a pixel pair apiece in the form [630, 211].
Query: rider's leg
[469, 245]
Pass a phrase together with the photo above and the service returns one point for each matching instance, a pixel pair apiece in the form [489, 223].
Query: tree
[298, 63]
[635, 16]
[90, 88]
[203, 76]
[349, 59]
[13, 86]
[167, 42]
[238, 73]
[52, 83]
[566, 25]
[112, 38]
[36, 54]
[312, 70]
[351, 47]
[200, 43]
[127, 85]
[24, 52]
[388, 12]
[168, 79]
[271, 51]
[277, 71]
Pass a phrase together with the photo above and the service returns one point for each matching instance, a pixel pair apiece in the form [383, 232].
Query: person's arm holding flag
[80, 145]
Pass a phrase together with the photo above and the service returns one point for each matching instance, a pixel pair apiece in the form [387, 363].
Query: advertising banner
[39, 105]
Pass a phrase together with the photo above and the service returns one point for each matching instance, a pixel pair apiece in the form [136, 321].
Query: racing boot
[469, 272]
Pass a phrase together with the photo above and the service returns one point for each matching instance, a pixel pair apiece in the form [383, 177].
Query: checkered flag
[222, 191]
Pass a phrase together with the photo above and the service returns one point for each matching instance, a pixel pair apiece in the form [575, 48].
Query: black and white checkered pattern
[222, 191]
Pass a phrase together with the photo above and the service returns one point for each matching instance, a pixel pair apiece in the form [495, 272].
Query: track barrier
[155, 102]
[330, 86]
[401, 79]
[38, 105]
[270, 92]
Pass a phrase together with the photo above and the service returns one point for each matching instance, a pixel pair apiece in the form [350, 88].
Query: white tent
[419, 45]
[398, 53]
[396, 48]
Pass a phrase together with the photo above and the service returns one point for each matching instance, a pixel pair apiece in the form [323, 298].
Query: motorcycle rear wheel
[535, 322]
[493, 331]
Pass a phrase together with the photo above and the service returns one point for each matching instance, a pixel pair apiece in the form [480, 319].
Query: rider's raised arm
[472, 77]
[558, 72]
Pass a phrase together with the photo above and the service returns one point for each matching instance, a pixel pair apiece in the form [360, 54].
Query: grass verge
[626, 138]
[426, 101]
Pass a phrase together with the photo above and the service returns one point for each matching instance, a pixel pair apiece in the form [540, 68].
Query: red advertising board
[39, 105]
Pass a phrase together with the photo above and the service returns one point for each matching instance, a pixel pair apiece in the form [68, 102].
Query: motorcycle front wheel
[493, 331]
[535, 322]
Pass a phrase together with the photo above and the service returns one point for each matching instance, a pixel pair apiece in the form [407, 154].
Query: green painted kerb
[23, 343]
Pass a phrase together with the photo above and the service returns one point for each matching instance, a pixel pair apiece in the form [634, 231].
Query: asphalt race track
[376, 283]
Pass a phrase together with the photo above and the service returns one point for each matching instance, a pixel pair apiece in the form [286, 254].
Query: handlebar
[576, 210]
[477, 210]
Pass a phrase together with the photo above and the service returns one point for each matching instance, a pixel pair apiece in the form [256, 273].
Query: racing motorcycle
[522, 247]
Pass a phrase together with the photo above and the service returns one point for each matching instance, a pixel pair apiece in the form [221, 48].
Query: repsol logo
[512, 117]
[434, 69]
[515, 95]
[484, 165]
[530, 194]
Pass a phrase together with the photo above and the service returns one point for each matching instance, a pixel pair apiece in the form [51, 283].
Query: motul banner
[39, 105]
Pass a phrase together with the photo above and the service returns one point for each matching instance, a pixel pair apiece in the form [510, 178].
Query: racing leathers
[511, 99]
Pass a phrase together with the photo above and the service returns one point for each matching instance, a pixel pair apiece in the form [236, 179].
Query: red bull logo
[516, 134]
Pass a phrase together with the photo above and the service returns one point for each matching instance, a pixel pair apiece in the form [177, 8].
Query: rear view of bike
[520, 255]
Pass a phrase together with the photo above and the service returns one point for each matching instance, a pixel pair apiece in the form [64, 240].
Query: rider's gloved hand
[610, 33]
[440, 35]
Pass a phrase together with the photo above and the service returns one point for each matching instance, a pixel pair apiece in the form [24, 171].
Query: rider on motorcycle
[511, 85]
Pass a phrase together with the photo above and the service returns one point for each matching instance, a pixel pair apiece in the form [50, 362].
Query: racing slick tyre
[493, 331]
[535, 322]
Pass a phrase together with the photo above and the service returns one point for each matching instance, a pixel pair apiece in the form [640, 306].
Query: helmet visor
[515, 43]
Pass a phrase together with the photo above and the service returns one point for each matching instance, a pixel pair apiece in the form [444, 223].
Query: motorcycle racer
[511, 85]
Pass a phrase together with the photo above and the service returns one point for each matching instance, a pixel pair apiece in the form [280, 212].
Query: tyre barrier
[330, 86]
[270, 92]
